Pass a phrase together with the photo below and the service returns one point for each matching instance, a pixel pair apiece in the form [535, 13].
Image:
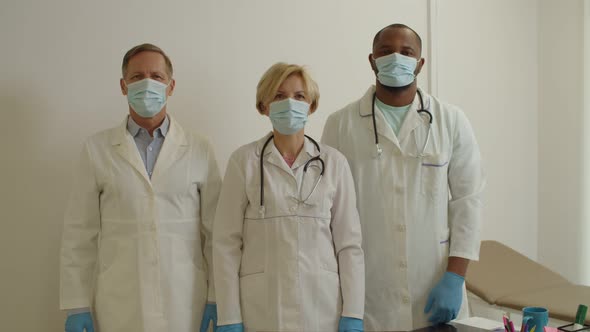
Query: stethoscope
[421, 110]
[308, 164]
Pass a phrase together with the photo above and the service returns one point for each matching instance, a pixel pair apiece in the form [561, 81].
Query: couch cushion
[502, 272]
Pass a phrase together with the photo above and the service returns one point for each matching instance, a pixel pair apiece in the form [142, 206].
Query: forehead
[397, 36]
[147, 61]
[293, 82]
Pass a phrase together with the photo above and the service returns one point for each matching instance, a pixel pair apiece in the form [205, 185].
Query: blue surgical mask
[147, 97]
[288, 116]
[396, 70]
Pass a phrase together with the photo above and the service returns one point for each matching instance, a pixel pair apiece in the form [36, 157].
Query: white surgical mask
[396, 70]
[147, 97]
[288, 116]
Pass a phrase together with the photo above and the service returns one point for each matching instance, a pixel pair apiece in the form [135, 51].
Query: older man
[136, 248]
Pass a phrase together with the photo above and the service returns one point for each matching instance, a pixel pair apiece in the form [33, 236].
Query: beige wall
[488, 66]
[563, 223]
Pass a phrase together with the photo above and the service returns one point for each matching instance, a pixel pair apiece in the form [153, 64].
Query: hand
[79, 322]
[445, 298]
[349, 324]
[209, 314]
[231, 328]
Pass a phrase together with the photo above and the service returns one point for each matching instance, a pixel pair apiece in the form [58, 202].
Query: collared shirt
[149, 147]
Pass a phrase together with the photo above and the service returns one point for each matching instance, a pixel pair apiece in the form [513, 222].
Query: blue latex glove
[209, 314]
[79, 322]
[349, 324]
[231, 328]
[445, 298]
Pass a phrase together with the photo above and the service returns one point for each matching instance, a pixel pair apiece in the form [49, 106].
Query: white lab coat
[298, 267]
[414, 212]
[138, 251]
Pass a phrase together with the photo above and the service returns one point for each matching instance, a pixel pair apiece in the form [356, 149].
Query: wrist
[453, 278]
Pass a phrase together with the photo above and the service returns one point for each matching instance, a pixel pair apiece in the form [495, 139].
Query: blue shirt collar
[133, 128]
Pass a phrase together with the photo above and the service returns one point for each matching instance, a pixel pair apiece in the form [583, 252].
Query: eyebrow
[300, 91]
[149, 73]
[405, 47]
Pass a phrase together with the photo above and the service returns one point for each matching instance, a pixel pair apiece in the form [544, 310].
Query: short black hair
[398, 26]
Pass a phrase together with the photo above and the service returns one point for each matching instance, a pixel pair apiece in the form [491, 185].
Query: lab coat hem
[77, 304]
[229, 322]
[351, 315]
[469, 256]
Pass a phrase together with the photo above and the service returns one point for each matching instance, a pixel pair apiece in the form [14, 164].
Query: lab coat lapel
[309, 151]
[174, 147]
[272, 155]
[412, 120]
[366, 111]
[125, 146]
[275, 158]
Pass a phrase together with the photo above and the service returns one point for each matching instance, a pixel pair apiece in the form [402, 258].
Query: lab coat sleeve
[80, 233]
[346, 233]
[330, 134]
[227, 243]
[209, 193]
[466, 183]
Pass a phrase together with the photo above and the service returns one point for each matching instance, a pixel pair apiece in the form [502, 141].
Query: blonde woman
[287, 240]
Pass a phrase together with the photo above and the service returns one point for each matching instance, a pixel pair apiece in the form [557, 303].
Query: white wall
[60, 66]
[488, 66]
[562, 197]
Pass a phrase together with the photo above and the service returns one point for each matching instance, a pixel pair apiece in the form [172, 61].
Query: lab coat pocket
[444, 236]
[187, 281]
[253, 247]
[444, 239]
[253, 302]
[107, 254]
[116, 287]
[433, 175]
[192, 252]
[328, 299]
[325, 244]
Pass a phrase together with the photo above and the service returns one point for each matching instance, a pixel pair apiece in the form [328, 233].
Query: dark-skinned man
[419, 179]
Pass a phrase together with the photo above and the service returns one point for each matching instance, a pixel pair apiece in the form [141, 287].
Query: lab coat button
[399, 189]
[406, 299]
[150, 148]
[401, 228]
[403, 264]
[293, 209]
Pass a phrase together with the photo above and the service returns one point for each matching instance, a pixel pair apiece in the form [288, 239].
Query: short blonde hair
[276, 75]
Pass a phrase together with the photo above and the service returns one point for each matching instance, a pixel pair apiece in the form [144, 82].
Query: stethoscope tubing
[307, 164]
[421, 110]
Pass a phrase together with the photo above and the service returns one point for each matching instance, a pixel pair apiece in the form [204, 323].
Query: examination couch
[505, 281]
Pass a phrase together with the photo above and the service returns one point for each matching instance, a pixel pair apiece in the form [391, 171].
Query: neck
[289, 145]
[149, 124]
[396, 96]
